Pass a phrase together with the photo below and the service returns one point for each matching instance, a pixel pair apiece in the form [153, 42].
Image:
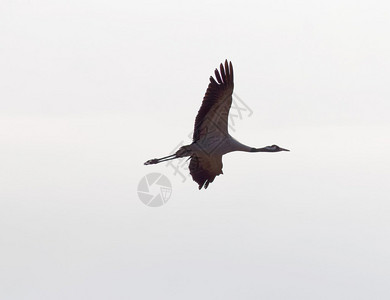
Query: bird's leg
[182, 152]
[158, 160]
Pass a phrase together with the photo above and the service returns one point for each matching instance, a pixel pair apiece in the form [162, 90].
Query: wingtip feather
[223, 74]
[218, 76]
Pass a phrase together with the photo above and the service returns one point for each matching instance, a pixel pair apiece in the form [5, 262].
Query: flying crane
[211, 139]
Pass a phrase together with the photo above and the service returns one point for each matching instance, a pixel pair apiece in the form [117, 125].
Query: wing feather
[214, 111]
[204, 169]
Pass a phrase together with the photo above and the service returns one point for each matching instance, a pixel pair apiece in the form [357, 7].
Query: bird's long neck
[237, 146]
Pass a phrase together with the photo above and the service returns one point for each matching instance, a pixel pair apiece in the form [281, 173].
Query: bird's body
[211, 139]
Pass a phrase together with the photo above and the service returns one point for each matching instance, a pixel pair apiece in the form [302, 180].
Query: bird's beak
[282, 149]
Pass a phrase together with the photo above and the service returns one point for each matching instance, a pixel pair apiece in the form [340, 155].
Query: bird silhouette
[211, 139]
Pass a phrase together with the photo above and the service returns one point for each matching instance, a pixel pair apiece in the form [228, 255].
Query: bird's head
[273, 148]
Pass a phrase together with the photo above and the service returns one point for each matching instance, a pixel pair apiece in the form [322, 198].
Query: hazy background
[89, 90]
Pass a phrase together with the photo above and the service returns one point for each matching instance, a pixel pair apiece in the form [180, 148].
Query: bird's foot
[151, 161]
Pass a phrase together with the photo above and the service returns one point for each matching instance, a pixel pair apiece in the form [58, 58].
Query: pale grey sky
[89, 90]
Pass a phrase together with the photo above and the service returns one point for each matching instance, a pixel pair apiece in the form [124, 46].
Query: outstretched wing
[204, 169]
[212, 118]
